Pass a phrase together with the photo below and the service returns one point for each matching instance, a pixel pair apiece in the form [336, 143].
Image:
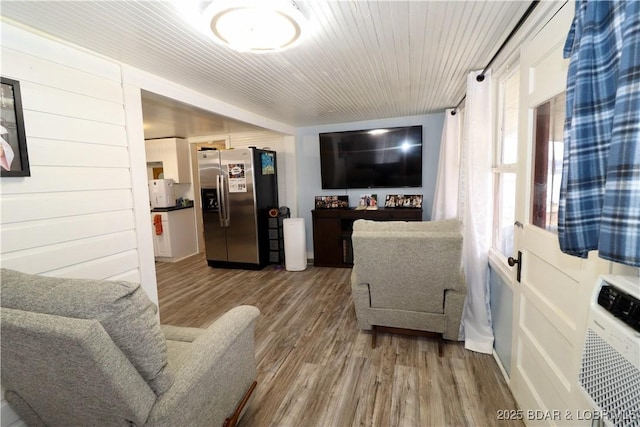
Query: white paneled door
[551, 300]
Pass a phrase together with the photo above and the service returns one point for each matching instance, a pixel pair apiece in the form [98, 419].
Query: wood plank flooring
[316, 368]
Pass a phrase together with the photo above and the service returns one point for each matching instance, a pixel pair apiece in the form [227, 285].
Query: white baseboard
[504, 372]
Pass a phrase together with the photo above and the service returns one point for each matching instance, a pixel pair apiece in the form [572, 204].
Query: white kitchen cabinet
[162, 241]
[178, 239]
[174, 155]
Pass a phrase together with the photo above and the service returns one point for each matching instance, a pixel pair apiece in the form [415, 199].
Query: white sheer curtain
[445, 199]
[477, 209]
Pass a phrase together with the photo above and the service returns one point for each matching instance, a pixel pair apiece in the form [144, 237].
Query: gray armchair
[407, 277]
[92, 353]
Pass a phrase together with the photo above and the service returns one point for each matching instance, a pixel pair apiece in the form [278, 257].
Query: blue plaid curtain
[600, 191]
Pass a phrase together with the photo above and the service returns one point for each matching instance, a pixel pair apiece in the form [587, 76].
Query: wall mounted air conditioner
[610, 368]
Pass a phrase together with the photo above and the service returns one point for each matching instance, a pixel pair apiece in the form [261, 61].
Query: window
[505, 164]
[547, 169]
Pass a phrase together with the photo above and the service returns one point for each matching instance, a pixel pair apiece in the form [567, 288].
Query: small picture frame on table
[368, 202]
[332, 202]
[406, 201]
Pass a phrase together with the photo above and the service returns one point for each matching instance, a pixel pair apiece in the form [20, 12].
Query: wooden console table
[332, 230]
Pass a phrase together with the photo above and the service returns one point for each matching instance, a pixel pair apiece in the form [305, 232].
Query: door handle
[516, 261]
[225, 200]
[220, 200]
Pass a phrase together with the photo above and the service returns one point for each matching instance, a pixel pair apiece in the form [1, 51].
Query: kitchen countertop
[172, 208]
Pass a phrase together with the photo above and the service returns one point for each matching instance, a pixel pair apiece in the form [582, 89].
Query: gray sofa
[408, 275]
[92, 353]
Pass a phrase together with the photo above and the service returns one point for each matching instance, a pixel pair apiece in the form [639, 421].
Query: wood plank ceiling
[360, 60]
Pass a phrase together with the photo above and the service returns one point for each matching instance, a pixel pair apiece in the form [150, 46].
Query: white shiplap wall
[74, 215]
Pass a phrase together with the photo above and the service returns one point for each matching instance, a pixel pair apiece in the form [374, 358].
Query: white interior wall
[152, 83]
[73, 216]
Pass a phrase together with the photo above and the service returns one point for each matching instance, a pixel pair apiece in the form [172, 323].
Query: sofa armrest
[181, 333]
[453, 306]
[218, 370]
[361, 300]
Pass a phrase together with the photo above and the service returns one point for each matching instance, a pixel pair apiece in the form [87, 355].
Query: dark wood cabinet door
[327, 242]
[332, 230]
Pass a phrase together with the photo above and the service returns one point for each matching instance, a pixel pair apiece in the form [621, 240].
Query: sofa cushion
[123, 309]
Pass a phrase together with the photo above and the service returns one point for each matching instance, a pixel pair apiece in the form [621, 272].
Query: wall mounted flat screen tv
[375, 158]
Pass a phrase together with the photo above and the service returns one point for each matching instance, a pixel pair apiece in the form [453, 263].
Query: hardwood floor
[316, 368]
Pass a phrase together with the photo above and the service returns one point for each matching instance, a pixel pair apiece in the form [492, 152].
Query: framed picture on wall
[14, 160]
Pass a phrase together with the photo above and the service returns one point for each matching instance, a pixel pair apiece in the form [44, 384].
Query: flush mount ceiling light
[255, 25]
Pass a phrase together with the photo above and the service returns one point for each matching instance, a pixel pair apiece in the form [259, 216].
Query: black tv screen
[375, 158]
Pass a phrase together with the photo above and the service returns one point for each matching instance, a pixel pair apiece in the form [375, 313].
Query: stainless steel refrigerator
[238, 188]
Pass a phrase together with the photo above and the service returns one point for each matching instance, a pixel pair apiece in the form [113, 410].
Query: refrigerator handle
[225, 201]
[221, 205]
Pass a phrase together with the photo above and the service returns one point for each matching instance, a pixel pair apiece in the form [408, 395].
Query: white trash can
[295, 244]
